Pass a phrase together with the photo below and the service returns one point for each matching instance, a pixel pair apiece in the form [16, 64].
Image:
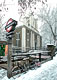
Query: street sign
[10, 34]
[10, 25]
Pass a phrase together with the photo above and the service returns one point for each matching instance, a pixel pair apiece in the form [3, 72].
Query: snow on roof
[50, 44]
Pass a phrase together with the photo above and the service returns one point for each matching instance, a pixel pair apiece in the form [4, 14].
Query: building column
[33, 41]
[23, 39]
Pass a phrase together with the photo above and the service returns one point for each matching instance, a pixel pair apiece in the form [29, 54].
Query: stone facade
[27, 36]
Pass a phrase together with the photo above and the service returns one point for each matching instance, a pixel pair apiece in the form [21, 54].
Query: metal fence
[27, 49]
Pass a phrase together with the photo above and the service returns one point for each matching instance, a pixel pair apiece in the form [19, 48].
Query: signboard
[3, 47]
[2, 50]
[8, 22]
[10, 25]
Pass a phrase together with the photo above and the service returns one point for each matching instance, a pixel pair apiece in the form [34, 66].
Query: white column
[23, 39]
[33, 41]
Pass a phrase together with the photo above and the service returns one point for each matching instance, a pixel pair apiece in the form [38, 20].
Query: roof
[31, 29]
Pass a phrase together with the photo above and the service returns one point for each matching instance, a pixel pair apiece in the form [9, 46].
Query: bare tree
[25, 4]
[49, 20]
[0, 26]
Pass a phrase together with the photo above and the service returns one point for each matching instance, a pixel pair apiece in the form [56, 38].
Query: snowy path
[47, 71]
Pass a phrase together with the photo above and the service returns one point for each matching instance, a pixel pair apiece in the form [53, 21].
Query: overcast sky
[52, 2]
[12, 12]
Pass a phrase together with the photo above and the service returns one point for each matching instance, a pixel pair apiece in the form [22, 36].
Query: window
[17, 38]
[28, 23]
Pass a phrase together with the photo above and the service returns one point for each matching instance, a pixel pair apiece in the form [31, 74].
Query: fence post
[39, 57]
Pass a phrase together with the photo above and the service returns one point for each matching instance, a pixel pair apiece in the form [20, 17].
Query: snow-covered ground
[47, 71]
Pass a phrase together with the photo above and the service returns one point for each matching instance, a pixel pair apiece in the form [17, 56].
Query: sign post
[9, 62]
[10, 27]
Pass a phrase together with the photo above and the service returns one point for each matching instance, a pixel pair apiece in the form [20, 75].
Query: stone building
[27, 36]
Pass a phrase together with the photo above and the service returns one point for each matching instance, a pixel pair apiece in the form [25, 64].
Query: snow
[47, 71]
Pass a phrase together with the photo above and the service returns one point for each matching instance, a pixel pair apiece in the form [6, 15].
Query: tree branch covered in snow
[49, 18]
[25, 4]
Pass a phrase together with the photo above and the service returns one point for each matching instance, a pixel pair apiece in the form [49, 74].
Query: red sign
[8, 22]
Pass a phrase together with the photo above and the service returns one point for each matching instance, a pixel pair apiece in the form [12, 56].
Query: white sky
[52, 2]
[13, 9]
